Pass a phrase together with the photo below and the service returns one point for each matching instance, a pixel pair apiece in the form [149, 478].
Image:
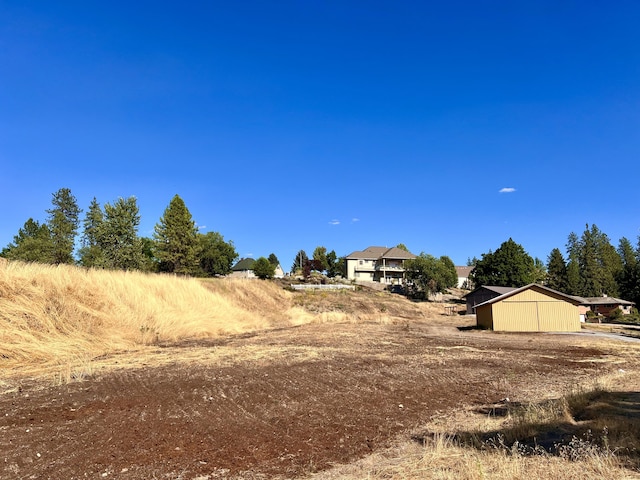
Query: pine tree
[118, 235]
[557, 277]
[63, 224]
[91, 253]
[176, 237]
[573, 267]
[299, 261]
[273, 260]
[629, 276]
[31, 244]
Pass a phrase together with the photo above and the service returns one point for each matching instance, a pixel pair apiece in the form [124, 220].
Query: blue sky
[292, 124]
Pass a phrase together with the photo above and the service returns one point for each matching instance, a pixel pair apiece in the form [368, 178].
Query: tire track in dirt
[282, 415]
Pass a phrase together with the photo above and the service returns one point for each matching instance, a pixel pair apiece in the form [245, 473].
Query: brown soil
[280, 403]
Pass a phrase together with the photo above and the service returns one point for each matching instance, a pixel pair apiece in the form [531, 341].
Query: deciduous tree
[509, 266]
[216, 255]
[263, 268]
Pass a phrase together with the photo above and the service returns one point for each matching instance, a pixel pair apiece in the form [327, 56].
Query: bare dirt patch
[281, 403]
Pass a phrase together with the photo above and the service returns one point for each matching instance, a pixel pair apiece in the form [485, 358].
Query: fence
[322, 287]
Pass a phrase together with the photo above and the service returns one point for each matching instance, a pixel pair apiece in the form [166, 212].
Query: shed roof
[493, 288]
[568, 298]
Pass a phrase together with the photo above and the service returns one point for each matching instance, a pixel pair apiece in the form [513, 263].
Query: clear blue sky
[291, 124]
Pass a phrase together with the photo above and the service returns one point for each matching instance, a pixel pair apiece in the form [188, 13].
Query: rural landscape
[112, 374]
[336, 240]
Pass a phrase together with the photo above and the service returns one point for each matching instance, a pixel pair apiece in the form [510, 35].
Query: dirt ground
[282, 403]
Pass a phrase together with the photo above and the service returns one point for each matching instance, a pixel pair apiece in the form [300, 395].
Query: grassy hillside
[54, 315]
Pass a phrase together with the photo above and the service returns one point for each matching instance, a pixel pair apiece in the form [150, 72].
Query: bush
[615, 314]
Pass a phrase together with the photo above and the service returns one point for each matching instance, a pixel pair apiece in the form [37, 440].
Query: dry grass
[62, 314]
[64, 317]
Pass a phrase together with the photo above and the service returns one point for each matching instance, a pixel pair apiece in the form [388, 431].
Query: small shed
[532, 308]
[483, 294]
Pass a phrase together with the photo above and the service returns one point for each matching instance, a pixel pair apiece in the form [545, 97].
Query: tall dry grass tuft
[59, 314]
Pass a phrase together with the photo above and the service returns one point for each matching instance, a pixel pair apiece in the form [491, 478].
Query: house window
[360, 262]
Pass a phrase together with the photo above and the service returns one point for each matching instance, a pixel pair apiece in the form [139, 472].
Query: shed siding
[515, 317]
[530, 311]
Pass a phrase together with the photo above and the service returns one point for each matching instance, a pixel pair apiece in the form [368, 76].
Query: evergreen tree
[299, 261]
[573, 266]
[118, 235]
[273, 260]
[598, 263]
[216, 255]
[31, 244]
[63, 224]
[91, 253]
[609, 262]
[176, 238]
[333, 268]
[629, 276]
[263, 268]
[557, 278]
[509, 266]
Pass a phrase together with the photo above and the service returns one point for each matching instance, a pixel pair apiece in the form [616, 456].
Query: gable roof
[535, 286]
[377, 253]
[243, 264]
[493, 288]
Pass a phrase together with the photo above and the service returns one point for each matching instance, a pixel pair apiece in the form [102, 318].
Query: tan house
[532, 308]
[378, 264]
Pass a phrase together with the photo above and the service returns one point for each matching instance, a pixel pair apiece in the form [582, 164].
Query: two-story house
[378, 264]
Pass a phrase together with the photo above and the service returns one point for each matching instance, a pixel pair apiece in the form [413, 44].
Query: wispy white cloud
[507, 190]
[334, 222]
[354, 220]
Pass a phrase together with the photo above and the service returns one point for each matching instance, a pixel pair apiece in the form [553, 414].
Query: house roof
[243, 264]
[493, 288]
[377, 253]
[463, 271]
[603, 301]
[536, 286]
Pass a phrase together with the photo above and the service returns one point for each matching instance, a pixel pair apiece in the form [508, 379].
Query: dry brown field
[261, 382]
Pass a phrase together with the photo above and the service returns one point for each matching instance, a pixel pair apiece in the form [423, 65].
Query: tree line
[108, 238]
[593, 267]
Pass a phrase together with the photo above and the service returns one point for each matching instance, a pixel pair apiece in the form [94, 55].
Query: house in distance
[378, 264]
